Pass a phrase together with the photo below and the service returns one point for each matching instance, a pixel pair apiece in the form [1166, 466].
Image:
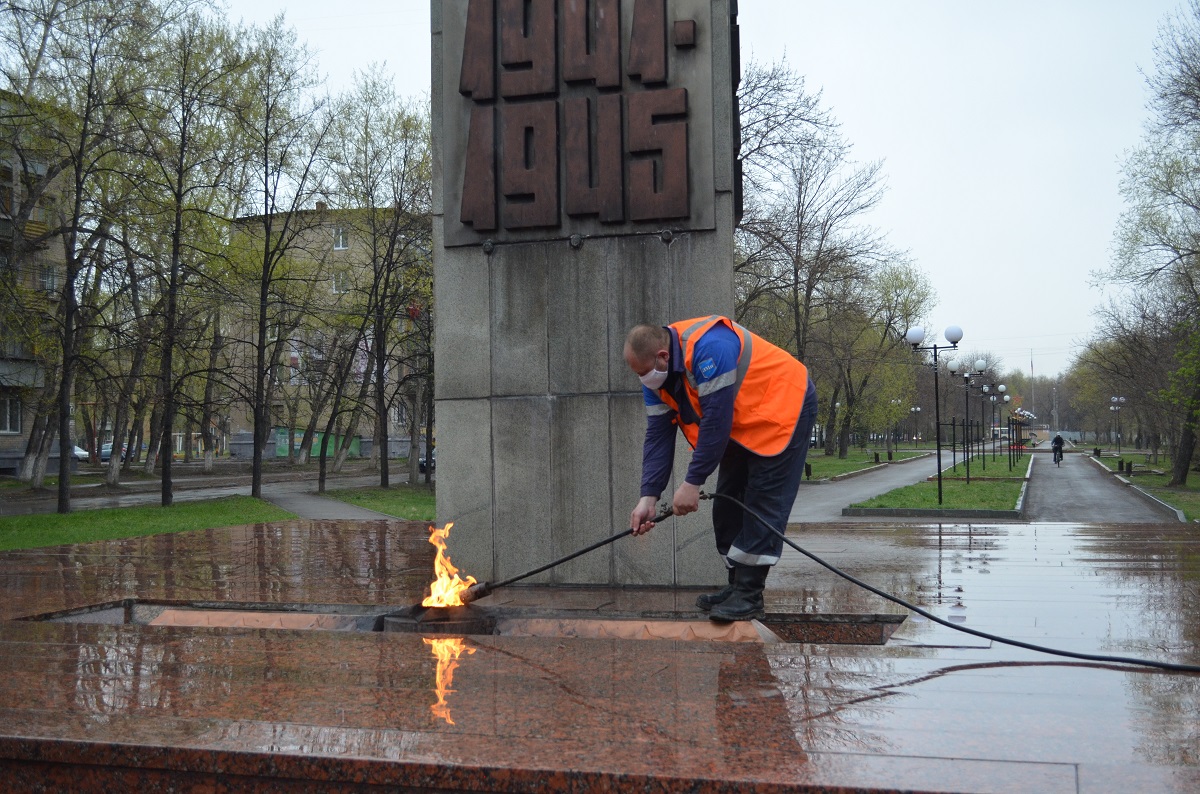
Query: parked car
[106, 452]
[432, 464]
[80, 454]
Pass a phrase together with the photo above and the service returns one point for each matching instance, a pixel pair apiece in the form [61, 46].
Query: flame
[447, 651]
[444, 590]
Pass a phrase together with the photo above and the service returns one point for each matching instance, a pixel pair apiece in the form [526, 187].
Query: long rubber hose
[477, 591]
[1186, 668]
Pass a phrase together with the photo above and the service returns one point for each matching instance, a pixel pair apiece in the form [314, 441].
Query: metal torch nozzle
[476, 591]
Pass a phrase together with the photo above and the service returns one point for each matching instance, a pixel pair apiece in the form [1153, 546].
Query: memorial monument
[585, 181]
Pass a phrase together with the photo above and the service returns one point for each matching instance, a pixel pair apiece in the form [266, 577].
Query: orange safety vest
[770, 384]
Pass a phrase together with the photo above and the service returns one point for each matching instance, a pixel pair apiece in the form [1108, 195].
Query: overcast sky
[1002, 127]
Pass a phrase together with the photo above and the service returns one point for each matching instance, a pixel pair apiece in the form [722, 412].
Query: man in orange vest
[743, 404]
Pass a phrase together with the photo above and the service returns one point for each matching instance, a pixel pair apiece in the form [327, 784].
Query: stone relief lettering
[658, 178]
[592, 157]
[591, 45]
[527, 48]
[479, 182]
[648, 46]
[478, 76]
[558, 129]
[529, 164]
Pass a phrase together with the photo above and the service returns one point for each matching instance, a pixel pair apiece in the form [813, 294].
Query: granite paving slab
[104, 704]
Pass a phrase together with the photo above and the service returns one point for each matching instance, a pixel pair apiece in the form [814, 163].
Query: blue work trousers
[766, 485]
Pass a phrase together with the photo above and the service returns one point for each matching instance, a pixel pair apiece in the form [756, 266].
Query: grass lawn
[826, 466]
[412, 502]
[956, 495]
[1186, 499]
[84, 526]
[995, 468]
[1143, 468]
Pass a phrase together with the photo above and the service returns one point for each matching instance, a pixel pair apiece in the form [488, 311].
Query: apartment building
[331, 251]
[31, 267]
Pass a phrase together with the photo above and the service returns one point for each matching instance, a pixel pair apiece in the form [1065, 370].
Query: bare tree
[283, 129]
[811, 235]
[184, 128]
[803, 226]
[385, 174]
[777, 117]
[1158, 247]
[861, 342]
[1141, 355]
[77, 68]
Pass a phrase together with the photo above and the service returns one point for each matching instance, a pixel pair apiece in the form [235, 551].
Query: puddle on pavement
[853, 629]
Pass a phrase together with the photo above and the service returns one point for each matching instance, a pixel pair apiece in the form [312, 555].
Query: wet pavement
[1082, 489]
[90, 705]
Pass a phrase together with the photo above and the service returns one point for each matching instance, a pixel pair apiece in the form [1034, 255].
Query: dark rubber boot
[746, 601]
[710, 600]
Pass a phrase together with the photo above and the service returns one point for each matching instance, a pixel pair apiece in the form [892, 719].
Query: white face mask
[654, 379]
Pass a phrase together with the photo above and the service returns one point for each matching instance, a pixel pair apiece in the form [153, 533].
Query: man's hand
[687, 499]
[639, 519]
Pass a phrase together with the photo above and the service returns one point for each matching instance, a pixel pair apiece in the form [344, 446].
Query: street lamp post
[953, 335]
[1117, 404]
[980, 366]
[915, 411]
[997, 396]
[833, 427]
[893, 430]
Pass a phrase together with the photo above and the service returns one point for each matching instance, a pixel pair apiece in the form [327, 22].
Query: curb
[922, 456]
[1155, 501]
[1150, 498]
[857, 472]
[848, 475]
[917, 512]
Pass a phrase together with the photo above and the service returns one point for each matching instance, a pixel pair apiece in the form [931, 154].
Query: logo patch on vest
[708, 368]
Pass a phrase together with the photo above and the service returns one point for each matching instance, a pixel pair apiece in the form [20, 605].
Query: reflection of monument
[585, 182]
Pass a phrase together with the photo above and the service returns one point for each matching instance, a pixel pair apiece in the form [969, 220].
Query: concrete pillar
[584, 181]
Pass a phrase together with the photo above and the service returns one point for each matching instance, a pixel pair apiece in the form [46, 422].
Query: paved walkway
[821, 501]
[1080, 490]
[307, 503]
[931, 710]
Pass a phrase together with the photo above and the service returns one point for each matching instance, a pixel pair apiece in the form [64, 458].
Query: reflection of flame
[447, 651]
[444, 590]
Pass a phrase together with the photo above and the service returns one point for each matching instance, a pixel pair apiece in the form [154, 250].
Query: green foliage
[54, 529]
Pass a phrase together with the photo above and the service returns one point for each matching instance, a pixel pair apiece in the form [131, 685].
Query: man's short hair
[645, 340]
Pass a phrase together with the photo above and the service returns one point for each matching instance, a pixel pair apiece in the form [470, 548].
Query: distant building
[334, 250]
[30, 269]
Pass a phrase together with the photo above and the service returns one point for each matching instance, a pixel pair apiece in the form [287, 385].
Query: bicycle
[1058, 456]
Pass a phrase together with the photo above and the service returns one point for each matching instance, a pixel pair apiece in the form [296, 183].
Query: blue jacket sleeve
[658, 453]
[714, 367]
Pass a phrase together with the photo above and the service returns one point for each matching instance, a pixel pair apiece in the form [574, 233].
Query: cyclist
[1057, 446]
